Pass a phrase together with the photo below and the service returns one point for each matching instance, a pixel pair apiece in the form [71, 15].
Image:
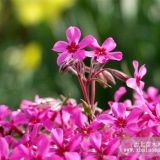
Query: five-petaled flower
[74, 48]
[103, 53]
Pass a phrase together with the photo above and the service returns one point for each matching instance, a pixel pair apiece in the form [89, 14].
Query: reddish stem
[93, 90]
[85, 94]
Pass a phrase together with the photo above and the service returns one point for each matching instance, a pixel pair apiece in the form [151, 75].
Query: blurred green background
[29, 28]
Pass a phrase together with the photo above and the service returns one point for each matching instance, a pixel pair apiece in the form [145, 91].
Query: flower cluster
[75, 48]
[61, 129]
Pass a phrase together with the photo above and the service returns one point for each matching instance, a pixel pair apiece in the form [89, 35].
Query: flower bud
[118, 74]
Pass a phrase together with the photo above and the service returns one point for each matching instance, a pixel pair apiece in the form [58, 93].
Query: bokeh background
[29, 28]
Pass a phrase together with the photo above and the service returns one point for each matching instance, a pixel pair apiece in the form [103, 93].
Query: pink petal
[158, 110]
[73, 34]
[132, 128]
[60, 46]
[72, 156]
[131, 82]
[106, 119]
[142, 71]
[42, 141]
[91, 157]
[86, 42]
[96, 140]
[115, 56]
[90, 54]
[57, 136]
[109, 44]
[118, 109]
[80, 119]
[4, 150]
[80, 55]
[102, 59]
[62, 57]
[134, 115]
[119, 93]
[135, 65]
[74, 143]
[113, 147]
[152, 91]
[94, 44]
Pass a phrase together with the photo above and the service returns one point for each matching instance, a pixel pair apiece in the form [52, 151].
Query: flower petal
[142, 71]
[131, 83]
[3, 147]
[96, 140]
[115, 56]
[80, 55]
[135, 65]
[94, 44]
[86, 41]
[118, 110]
[102, 59]
[42, 141]
[73, 34]
[74, 142]
[60, 46]
[119, 93]
[62, 57]
[90, 54]
[106, 119]
[158, 110]
[134, 115]
[109, 44]
[57, 136]
[72, 156]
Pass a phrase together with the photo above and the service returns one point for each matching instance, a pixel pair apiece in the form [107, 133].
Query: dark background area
[28, 30]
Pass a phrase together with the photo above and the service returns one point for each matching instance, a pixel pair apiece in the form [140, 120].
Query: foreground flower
[103, 53]
[73, 48]
[120, 119]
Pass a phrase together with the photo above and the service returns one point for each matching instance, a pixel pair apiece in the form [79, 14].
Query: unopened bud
[118, 74]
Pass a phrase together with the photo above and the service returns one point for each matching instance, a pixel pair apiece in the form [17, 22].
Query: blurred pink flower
[136, 83]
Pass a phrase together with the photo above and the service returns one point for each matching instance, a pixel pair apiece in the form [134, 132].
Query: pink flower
[73, 48]
[103, 53]
[136, 83]
[121, 119]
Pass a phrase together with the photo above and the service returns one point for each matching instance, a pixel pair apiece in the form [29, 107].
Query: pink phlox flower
[36, 151]
[73, 48]
[136, 83]
[63, 146]
[121, 119]
[104, 53]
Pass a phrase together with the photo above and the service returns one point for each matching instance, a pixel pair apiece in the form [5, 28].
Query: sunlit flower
[74, 48]
[104, 53]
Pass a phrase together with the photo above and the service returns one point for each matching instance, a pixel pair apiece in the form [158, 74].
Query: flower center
[72, 48]
[121, 122]
[138, 79]
[100, 51]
